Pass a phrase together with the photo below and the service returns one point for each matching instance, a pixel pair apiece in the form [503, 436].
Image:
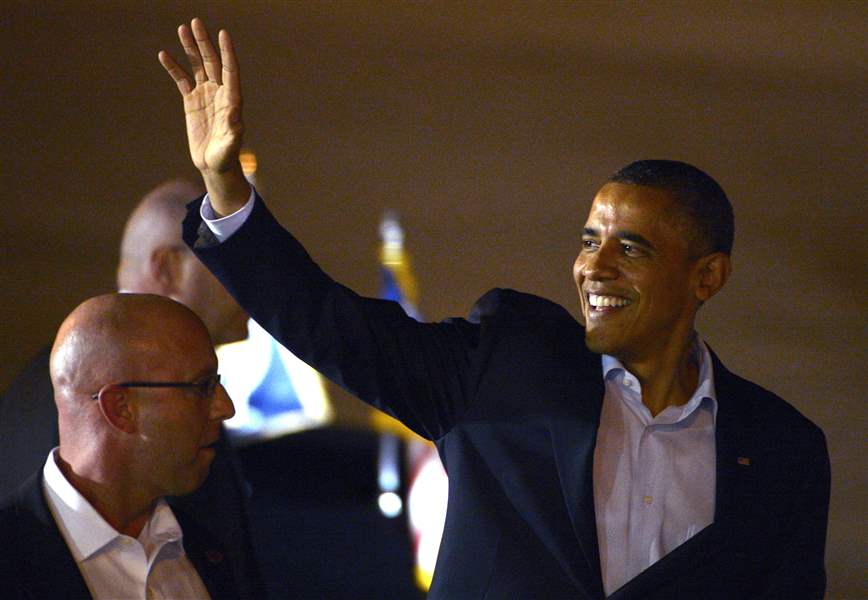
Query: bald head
[119, 337]
[135, 421]
[154, 223]
[155, 260]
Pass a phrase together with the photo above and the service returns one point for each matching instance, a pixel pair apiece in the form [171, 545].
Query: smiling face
[637, 285]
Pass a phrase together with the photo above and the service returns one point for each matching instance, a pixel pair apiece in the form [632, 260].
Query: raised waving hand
[212, 107]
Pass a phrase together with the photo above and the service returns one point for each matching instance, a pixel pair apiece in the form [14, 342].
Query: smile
[601, 302]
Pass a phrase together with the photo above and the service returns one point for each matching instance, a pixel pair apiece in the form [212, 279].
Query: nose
[599, 265]
[221, 404]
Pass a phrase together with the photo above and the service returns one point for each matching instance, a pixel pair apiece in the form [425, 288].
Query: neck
[668, 378]
[120, 503]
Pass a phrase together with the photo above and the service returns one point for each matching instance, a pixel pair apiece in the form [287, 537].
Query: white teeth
[601, 301]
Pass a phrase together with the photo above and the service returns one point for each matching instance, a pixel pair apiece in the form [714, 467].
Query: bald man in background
[153, 260]
[139, 411]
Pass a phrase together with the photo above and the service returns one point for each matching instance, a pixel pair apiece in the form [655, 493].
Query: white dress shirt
[116, 566]
[654, 477]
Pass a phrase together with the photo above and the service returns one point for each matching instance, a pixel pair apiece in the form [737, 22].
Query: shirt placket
[132, 553]
[645, 503]
[165, 552]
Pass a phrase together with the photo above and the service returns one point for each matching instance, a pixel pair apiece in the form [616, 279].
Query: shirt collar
[612, 367]
[87, 531]
[162, 527]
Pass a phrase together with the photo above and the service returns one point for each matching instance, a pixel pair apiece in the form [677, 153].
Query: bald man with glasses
[139, 406]
[152, 260]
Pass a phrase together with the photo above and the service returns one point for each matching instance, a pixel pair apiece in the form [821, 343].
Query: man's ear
[116, 408]
[712, 271]
[166, 266]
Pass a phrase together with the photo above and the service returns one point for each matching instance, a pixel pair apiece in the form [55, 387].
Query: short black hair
[699, 197]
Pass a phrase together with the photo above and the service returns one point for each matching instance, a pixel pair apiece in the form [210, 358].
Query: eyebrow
[623, 234]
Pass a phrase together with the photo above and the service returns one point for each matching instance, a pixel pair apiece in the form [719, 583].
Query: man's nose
[221, 405]
[601, 265]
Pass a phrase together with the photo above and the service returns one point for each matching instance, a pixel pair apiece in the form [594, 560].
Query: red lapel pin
[214, 556]
[743, 460]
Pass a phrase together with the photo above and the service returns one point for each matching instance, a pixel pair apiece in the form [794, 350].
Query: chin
[193, 479]
[190, 485]
[597, 343]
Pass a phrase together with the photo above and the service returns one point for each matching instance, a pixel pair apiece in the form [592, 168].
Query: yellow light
[248, 162]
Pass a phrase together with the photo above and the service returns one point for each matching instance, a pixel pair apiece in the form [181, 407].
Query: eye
[208, 386]
[631, 251]
[589, 244]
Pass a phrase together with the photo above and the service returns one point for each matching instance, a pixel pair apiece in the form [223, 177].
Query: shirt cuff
[224, 227]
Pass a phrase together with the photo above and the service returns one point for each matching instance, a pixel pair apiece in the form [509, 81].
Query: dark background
[489, 128]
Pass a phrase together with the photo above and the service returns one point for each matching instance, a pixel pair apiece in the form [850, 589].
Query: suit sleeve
[421, 373]
[800, 562]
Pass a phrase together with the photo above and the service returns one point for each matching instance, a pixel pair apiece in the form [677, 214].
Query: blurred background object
[427, 487]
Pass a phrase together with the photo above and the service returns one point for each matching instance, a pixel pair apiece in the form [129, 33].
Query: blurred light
[398, 282]
[248, 162]
[391, 233]
[246, 369]
[390, 504]
[389, 463]
[426, 506]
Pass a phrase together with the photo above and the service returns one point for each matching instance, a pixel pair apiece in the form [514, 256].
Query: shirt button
[628, 383]
[649, 499]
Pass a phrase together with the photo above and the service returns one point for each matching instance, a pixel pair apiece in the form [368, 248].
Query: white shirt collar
[613, 368]
[85, 530]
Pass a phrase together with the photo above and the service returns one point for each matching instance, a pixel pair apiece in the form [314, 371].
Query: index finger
[182, 80]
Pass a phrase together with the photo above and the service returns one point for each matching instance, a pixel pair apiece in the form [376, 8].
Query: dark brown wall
[488, 129]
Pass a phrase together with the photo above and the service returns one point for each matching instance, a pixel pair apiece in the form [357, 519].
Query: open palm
[212, 98]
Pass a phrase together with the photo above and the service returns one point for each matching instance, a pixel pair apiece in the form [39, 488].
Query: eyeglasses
[206, 387]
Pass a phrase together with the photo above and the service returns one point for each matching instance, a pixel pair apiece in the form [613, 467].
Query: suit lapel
[736, 451]
[208, 557]
[574, 435]
[47, 567]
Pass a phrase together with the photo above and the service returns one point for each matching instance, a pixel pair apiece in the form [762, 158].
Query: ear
[165, 267]
[712, 271]
[116, 408]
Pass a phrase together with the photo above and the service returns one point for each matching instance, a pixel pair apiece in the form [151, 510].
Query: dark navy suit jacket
[512, 398]
[35, 562]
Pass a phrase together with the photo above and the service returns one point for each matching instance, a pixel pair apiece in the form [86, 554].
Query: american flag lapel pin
[743, 461]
